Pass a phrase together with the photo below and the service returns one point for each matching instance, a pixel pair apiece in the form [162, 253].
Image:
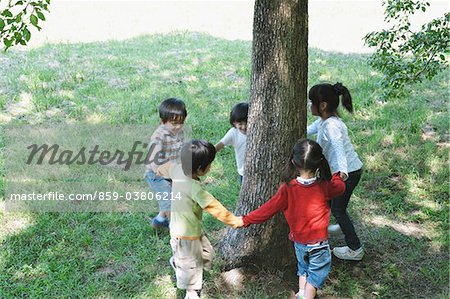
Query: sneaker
[172, 263]
[345, 253]
[335, 230]
[192, 295]
[160, 224]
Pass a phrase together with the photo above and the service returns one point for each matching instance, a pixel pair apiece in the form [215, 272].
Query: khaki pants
[191, 257]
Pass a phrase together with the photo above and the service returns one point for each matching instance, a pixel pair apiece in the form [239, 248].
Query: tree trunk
[277, 119]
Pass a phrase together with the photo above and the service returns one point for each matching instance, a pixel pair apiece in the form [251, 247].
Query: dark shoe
[160, 224]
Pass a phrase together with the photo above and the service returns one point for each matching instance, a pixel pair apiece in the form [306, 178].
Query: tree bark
[277, 119]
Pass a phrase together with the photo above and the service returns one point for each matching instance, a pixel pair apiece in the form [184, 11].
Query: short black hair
[196, 155]
[239, 113]
[172, 109]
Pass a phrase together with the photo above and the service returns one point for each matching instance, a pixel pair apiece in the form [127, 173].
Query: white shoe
[192, 295]
[298, 296]
[335, 230]
[345, 253]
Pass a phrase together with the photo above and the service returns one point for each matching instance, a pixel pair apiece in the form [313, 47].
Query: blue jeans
[159, 184]
[314, 262]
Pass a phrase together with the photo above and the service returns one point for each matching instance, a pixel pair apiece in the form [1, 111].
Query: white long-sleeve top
[332, 136]
[239, 141]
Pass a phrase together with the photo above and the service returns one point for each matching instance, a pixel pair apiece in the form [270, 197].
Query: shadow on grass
[118, 255]
[395, 265]
[400, 207]
[85, 255]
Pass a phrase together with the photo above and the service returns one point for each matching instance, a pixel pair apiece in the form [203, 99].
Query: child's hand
[208, 180]
[163, 170]
[239, 222]
[343, 176]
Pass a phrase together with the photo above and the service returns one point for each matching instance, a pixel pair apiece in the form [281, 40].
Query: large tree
[277, 118]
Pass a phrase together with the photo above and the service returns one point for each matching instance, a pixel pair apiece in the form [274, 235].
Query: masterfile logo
[81, 167]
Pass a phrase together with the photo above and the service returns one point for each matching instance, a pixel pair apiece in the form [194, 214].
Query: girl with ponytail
[332, 135]
[304, 199]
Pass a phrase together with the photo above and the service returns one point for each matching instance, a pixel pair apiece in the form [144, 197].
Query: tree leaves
[34, 20]
[26, 34]
[7, 13]
[17, 17]
[7, 42]
[40, 15]
[404, 56]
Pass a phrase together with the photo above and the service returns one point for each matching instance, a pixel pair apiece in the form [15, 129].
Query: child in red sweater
[303, 198]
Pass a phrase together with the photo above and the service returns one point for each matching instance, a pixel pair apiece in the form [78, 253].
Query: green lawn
[400, 208]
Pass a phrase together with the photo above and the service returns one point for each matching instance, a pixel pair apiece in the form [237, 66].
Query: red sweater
[305, 207]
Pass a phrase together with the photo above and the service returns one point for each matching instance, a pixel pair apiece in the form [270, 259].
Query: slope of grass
[400, 207]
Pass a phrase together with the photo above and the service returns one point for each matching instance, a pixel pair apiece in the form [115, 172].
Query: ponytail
[306, 155]
[341, 90]
[288, 171]
[324, 169]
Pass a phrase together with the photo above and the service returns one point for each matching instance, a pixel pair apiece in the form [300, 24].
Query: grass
[400, 208]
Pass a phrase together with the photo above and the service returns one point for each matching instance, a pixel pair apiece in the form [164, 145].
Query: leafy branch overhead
[18, 17]
[405, 56]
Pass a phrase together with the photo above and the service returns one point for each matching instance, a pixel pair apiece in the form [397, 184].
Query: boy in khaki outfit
[192, 251]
